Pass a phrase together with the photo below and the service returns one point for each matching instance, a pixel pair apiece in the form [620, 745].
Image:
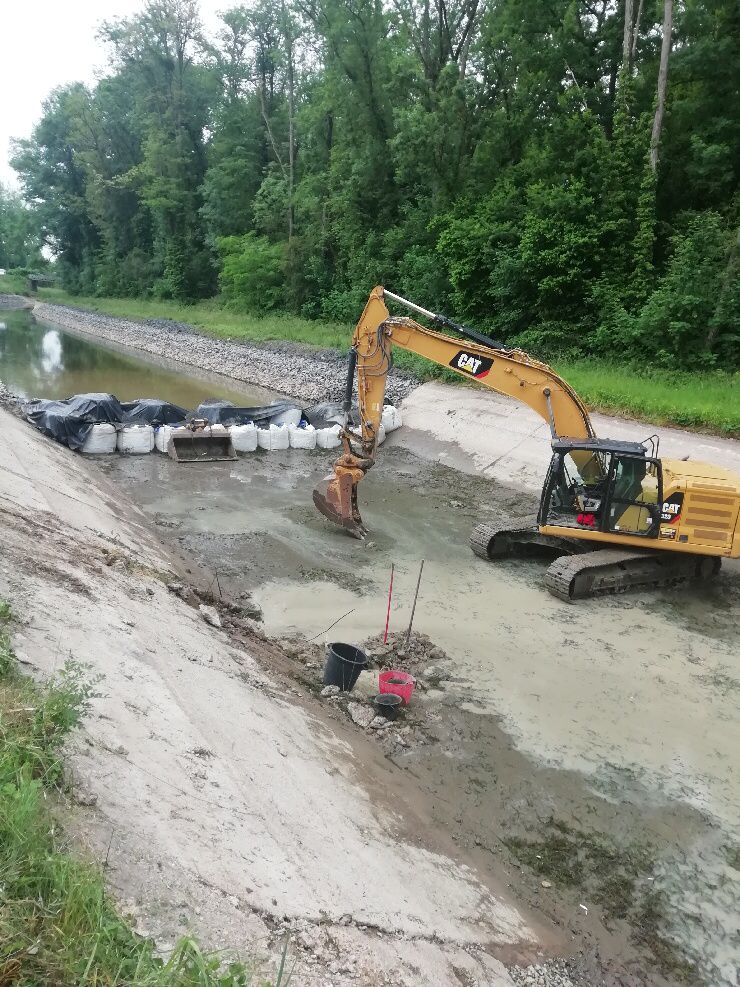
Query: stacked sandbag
[356, 433]
[244, 438]
[162, 437]
[273, 438]
[302, 436]
[101, 440]
[391, 418]
[328, 438]
[135, 440]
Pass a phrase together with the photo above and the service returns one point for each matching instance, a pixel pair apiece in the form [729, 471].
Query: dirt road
[478, 431]
[220, 803]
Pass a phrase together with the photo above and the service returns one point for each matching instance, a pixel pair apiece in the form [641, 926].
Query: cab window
[634, 498]
[578, 488]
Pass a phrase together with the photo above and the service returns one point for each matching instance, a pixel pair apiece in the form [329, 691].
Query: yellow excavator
[613, 513]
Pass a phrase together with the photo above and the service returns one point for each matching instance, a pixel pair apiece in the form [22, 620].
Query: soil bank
[220, 802]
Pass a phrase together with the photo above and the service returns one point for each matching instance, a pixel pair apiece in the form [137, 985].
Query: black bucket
[344, 662]
[388, 704]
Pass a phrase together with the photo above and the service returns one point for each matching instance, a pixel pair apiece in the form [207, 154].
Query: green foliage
[692, 319]
[20, 235]
[494, 165]
[252, 273]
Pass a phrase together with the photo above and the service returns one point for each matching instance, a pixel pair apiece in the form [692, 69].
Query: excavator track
[605, 571]
[490, 542]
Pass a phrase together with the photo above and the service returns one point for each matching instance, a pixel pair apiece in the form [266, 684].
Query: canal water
[39, 360]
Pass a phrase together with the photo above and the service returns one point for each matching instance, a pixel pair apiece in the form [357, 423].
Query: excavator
[612, 513]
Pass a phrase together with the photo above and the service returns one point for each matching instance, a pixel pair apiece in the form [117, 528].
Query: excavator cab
[601, 485]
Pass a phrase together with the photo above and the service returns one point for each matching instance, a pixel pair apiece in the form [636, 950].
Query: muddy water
[637, 693]
[41, 361]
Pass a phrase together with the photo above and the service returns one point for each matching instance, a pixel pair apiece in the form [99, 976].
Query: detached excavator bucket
[196, 443]
[336, 498]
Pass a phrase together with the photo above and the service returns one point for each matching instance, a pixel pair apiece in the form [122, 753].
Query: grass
[13, 284]
[57, 924]
[708, 400]
[612, 876]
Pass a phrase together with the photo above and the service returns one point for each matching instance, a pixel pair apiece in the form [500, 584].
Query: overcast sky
[47, 43]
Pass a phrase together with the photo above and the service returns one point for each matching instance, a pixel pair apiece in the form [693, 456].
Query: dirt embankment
[220, 801]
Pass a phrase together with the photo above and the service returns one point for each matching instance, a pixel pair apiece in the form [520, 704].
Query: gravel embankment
[13, 302]
[299, 371]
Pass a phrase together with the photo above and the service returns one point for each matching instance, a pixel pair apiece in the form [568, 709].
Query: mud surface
[593, 747]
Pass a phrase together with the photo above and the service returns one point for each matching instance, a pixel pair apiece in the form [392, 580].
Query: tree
[20, 234]
[665, 51]
[513, 161]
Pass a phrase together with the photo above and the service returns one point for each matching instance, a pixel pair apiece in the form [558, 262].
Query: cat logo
[671, 511]
[474, 366]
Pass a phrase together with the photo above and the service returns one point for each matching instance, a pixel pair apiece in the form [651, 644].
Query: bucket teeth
[336, 498]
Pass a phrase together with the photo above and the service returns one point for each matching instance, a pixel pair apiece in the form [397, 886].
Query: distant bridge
[39, 280]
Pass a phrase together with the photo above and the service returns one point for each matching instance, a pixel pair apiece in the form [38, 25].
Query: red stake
[388, 612]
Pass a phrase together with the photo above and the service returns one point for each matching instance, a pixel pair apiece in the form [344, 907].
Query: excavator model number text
[476, 366]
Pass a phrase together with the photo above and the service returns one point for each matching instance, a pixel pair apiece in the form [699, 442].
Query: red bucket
[398, 684]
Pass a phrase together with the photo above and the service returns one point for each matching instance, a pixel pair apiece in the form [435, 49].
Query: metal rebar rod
[413, 608]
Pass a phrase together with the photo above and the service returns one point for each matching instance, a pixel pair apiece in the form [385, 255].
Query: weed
[611, 874]
[647, 930]
[554, 857]
[733, 856]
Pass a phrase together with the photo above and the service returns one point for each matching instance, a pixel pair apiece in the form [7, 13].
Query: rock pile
[10, 302]
[300, 371]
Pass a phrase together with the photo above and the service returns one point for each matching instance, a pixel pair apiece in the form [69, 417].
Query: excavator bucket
[197, 443]
[336, 498]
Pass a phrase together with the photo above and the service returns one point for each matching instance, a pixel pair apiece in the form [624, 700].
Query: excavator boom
[474, 356]
[615, 514]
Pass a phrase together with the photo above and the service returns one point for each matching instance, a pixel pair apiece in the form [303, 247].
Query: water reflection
[51, 352]
[38, 361]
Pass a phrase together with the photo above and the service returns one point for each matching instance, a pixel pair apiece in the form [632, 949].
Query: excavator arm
[474, 356]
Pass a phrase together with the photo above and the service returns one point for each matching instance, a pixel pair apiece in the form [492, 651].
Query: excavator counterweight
[612, 512]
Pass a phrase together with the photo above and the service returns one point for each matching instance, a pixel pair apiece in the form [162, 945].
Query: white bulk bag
[290, 417]
[101, 440]
[162, 437]
[391, 418]
[274, 437]
[133, 440]
[328, 438]
[356, 432]
[244, 437]
[302, 438]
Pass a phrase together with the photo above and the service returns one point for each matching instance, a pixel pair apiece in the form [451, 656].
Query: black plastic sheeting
[152, 411]
[226, 413]
[326, 414]
[70, 421]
